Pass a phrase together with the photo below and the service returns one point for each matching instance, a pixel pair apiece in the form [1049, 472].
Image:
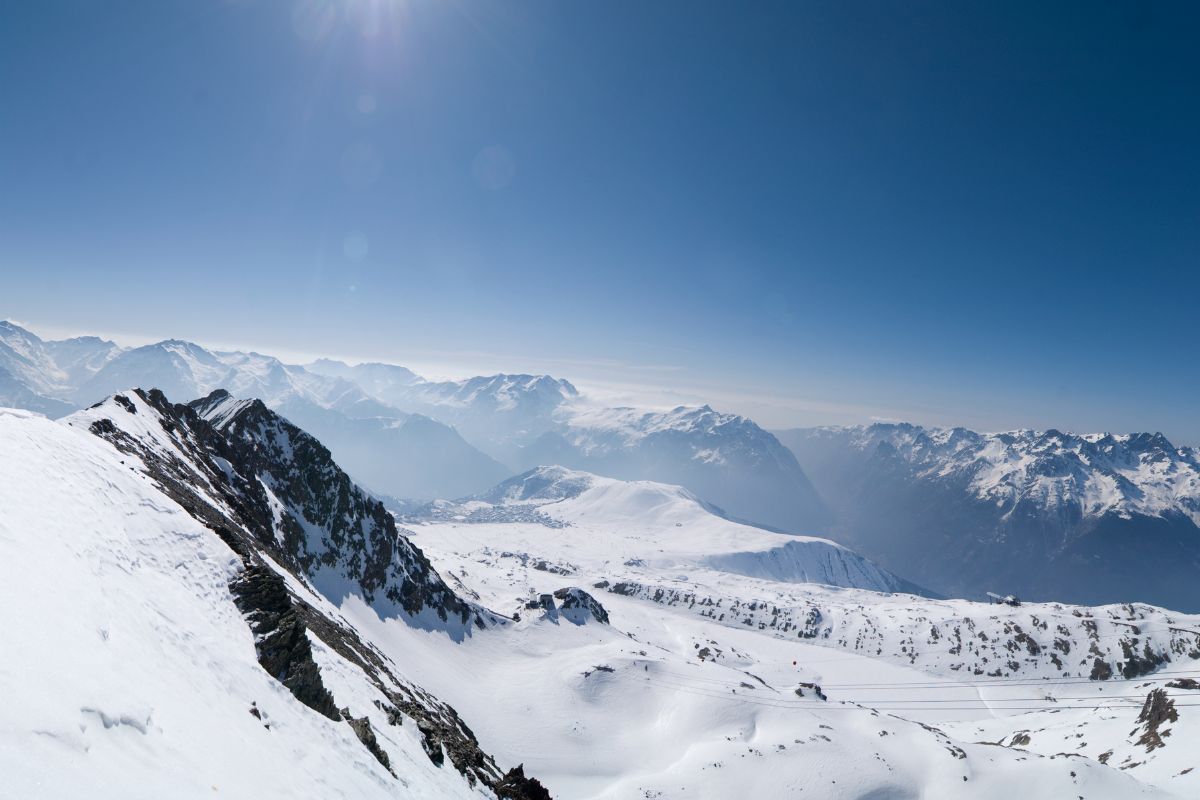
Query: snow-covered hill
[655, 525]
[1045, 514]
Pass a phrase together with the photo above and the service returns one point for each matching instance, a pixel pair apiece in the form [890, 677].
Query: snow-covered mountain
[501, 414]
[527, 420]
[1044, 514]
[724, 458]
[190, 571]
[36, 375]
[409, 438]
[387, 383]
[200, 601]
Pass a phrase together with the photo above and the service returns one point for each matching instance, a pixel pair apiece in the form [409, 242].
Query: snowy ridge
[238, 454]
[193, 667]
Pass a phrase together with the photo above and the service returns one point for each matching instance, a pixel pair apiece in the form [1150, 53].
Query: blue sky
[957, 213]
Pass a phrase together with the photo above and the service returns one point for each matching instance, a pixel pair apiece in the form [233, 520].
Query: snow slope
[131, 672]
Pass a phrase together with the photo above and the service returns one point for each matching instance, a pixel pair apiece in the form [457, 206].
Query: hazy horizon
[773, 413]
[953, 215]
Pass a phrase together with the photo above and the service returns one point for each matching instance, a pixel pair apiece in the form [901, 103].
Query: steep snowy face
[241, 461]
[157, 648]
[724, 458]
[1090, 518]
[649, 524]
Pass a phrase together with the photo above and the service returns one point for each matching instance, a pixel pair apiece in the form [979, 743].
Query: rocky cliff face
[238, 460]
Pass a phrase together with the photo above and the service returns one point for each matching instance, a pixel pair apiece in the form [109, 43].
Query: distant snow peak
[542, 484]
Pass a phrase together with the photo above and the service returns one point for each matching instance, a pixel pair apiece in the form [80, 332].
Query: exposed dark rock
[280, 637]
[1158, 709]
[578, 605]
[515, 786]
[1101, 671]
[1138, 664]
[362, 729]
[1184, 683]
[814, 687]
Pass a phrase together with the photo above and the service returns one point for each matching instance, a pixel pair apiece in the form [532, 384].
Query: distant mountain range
[412, 439]
[1043, 514]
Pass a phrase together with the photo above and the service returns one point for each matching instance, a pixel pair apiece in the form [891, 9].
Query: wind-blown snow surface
[129, 672]
[1047, 515]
